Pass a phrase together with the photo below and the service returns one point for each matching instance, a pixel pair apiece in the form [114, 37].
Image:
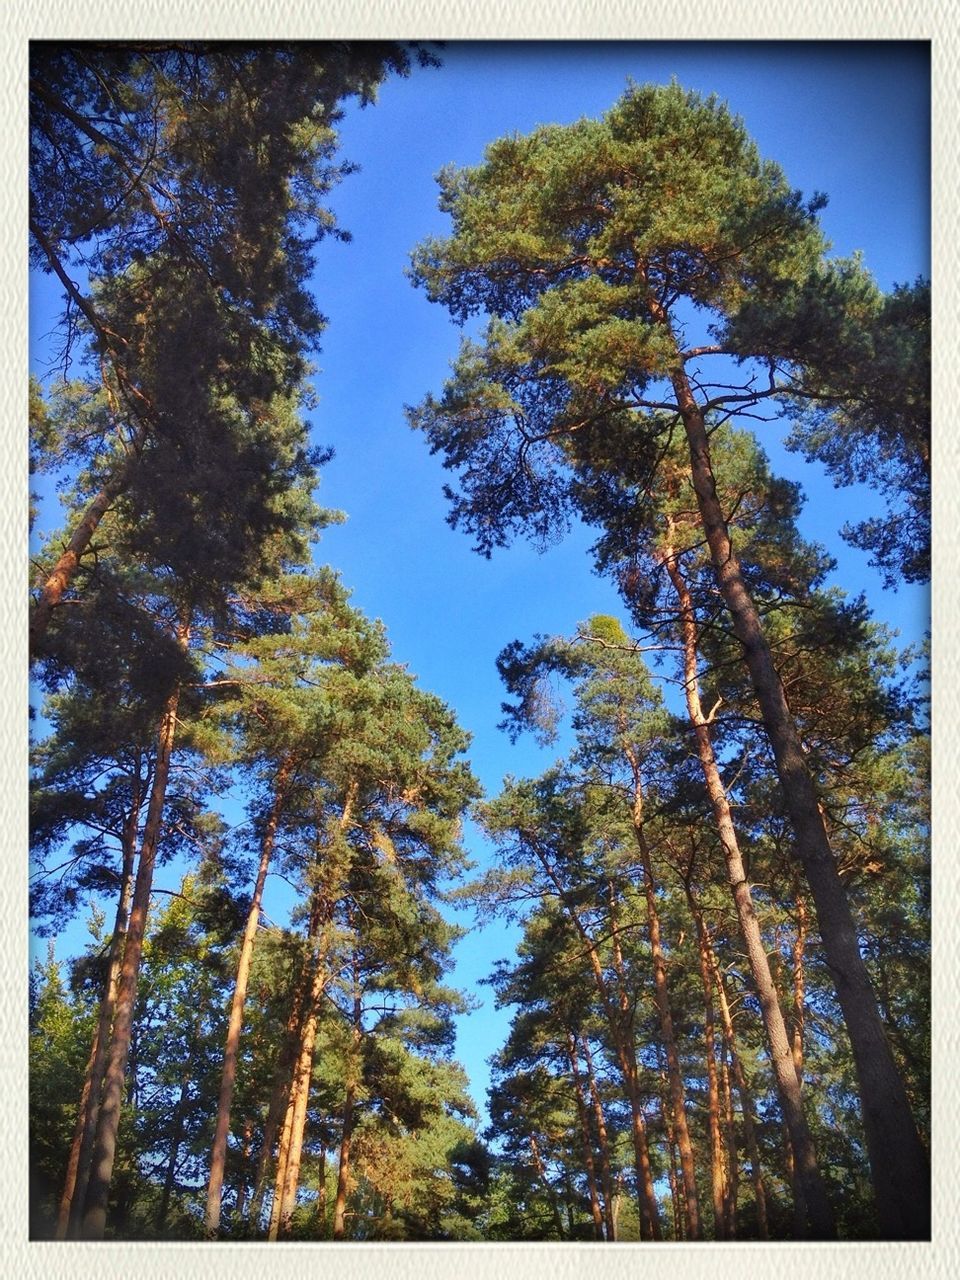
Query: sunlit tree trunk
[717, 1163]
[231, 1051]
[349, 1105]
[730, 1144]
[291, 1146]
[78, 1166]
[108, 1121]
[288, 1090]
[58, 580]
[788, 1086]
[899, 1163]
[678, 1102]
[746, 1095]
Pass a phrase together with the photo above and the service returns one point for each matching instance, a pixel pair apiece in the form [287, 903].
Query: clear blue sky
[851, 120]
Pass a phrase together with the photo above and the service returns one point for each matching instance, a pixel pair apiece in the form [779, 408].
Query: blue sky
[824, 112]
[851, 120]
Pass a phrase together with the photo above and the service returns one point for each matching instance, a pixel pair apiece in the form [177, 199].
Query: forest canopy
[260, 848]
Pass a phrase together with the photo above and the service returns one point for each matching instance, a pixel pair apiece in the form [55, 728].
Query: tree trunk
[244, 1164]
[733, 1162]
[322, 1192]
[588, 1160]
[678, 1102]
[673, 1176]
[288, 1161]
[899, 1163]
[78, 1167]
[108, 1122]
[176, 1135]
[603, 1145]
[275, 1108]
[781, 1057]
[231, 1051]
[619, 1019]
[551, 1194]
[717, 1165]
[288, 1106]
[343, 1172]
[60, 578]
[746, 1096]
[799, 990]
[797, 1019]
[62, 574]
[343, 1175]
[622, 1029]
[799, 1203]
[279, 1112]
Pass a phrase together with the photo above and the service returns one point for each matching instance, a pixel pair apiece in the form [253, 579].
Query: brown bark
[346, 1136]
[678, 1102]
[603, 1145]
[797, 1018]
[587, 1144]
[231, 1051]
[291, 1145]
[78, 1167]
[140, 410]
[799, 988]
[244, 1163]
[551, 1194]
[59, 579]
[288, 1106]
[322, 1193]
[275, 1109]
[619, 1019]
[788, 1086]
[710, 974]
[673, 1175]
[799, 1203]
[717, 1163]
[730, 1145]
[899, 1163]
[108, 1121]
[746, 1099]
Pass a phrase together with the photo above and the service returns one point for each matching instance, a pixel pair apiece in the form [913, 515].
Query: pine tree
[595, 248]
[186, 182]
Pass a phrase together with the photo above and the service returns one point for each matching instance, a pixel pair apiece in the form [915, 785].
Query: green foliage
[60, 1028]
[593, 247]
